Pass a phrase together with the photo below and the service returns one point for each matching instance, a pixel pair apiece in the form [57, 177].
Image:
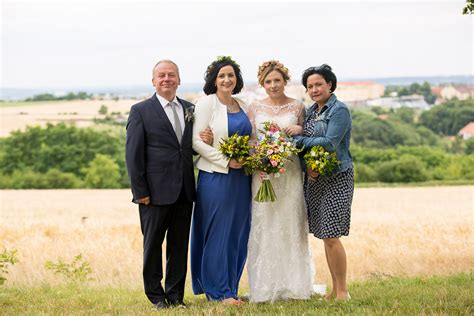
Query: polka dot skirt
[328, 202]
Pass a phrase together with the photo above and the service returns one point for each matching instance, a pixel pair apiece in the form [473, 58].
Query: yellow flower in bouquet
[320, 160]
[269, 156]
[237, 147]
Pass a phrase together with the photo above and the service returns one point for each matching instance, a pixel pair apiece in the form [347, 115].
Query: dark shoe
[161, 305]
[176, 303]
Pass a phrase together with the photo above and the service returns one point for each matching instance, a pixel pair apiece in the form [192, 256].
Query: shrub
[56, 179]
[407, 168]
[103, 109]
[469, 150]
[364, 173]
[28, 179]
[76, 271]
[7, 257]
[456, 167]
[103, 172]
[65, 148]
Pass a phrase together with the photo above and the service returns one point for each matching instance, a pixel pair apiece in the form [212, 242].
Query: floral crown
[220, 59]
[272, 64]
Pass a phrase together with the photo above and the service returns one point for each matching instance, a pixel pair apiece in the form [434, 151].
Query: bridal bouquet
[268, 156]
[321, 160]
[237, 147]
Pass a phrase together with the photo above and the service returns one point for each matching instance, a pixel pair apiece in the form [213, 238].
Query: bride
[278, 254]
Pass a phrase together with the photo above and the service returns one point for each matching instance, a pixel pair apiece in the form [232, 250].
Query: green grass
[451, 295]
[431, 183]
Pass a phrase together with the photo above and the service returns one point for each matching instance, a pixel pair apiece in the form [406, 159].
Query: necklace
[278, 108]
[232, 107]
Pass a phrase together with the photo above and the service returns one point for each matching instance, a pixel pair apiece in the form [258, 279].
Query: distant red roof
[465, 88]
[436, 90]
[468, 129]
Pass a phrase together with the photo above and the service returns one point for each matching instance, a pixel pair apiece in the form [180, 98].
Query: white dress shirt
[169, 110]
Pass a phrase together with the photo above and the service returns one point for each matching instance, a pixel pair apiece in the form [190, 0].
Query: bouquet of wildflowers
[321, 160]
[237, 147]
[268, 156]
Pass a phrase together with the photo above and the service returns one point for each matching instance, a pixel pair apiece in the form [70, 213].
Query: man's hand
[292, 130]
[312, 175]
[207, 136]
[145, 200]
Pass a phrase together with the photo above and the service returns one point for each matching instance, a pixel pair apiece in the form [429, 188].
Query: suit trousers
[174, 221]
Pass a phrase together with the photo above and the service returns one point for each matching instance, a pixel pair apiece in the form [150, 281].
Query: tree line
[69, 96]
[400, 145]
[423, 89]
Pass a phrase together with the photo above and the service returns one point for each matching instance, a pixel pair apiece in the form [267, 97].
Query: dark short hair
[324, 71]
[213, 70]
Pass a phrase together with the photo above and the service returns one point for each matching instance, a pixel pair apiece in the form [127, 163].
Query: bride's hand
[293, 130]
[234, 164]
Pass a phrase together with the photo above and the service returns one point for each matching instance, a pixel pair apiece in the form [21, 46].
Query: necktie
[177, 124]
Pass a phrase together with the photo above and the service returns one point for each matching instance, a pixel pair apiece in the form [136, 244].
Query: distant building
[350, 92]
[436, 91]
[414, 101]
[461, 92]
[467, 131]
[353, 91]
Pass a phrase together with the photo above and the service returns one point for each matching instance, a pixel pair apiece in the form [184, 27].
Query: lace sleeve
[301, 114]
[251, 115]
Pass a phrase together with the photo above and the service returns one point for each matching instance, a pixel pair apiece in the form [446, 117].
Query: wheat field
[394, 232]
[81, 113]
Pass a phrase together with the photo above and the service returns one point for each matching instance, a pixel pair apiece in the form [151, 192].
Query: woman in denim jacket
[329, 198]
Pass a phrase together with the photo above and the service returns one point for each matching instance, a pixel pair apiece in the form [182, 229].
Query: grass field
[18, 115]
[401, 232]
[451, 295]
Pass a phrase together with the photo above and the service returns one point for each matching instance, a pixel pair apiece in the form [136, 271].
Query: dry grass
[395, 231]
[79, 112]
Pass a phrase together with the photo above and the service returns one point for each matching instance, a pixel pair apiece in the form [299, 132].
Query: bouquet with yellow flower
[269, 156]
[237, 147]
[320, 160]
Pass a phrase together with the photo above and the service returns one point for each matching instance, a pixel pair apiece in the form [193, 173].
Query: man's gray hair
[168, 61]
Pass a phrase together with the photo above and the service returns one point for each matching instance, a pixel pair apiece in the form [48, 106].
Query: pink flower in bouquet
[273, 128]
[269, 156]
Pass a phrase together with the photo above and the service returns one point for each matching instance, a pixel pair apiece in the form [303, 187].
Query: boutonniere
[189, 114]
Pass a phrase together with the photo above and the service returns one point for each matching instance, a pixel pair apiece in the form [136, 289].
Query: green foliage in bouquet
[321, 161]
[237, 147]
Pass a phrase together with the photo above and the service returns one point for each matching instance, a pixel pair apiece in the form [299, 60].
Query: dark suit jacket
[157, 164]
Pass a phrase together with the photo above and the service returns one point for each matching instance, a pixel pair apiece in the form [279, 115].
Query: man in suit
[159, 159]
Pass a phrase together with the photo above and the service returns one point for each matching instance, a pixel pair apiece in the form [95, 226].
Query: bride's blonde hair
[270, 65]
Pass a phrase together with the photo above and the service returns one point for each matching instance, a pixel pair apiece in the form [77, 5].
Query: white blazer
[209, 112]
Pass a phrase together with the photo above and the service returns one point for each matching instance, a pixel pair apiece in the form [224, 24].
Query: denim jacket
[332, 131]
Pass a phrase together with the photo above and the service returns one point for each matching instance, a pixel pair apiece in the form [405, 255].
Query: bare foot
[231, 301]
[330, 296]
[343, 296]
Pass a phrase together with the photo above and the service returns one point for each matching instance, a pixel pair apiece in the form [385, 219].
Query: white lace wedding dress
[279, 262]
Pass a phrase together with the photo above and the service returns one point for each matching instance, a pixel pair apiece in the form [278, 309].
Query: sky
[116, 43]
